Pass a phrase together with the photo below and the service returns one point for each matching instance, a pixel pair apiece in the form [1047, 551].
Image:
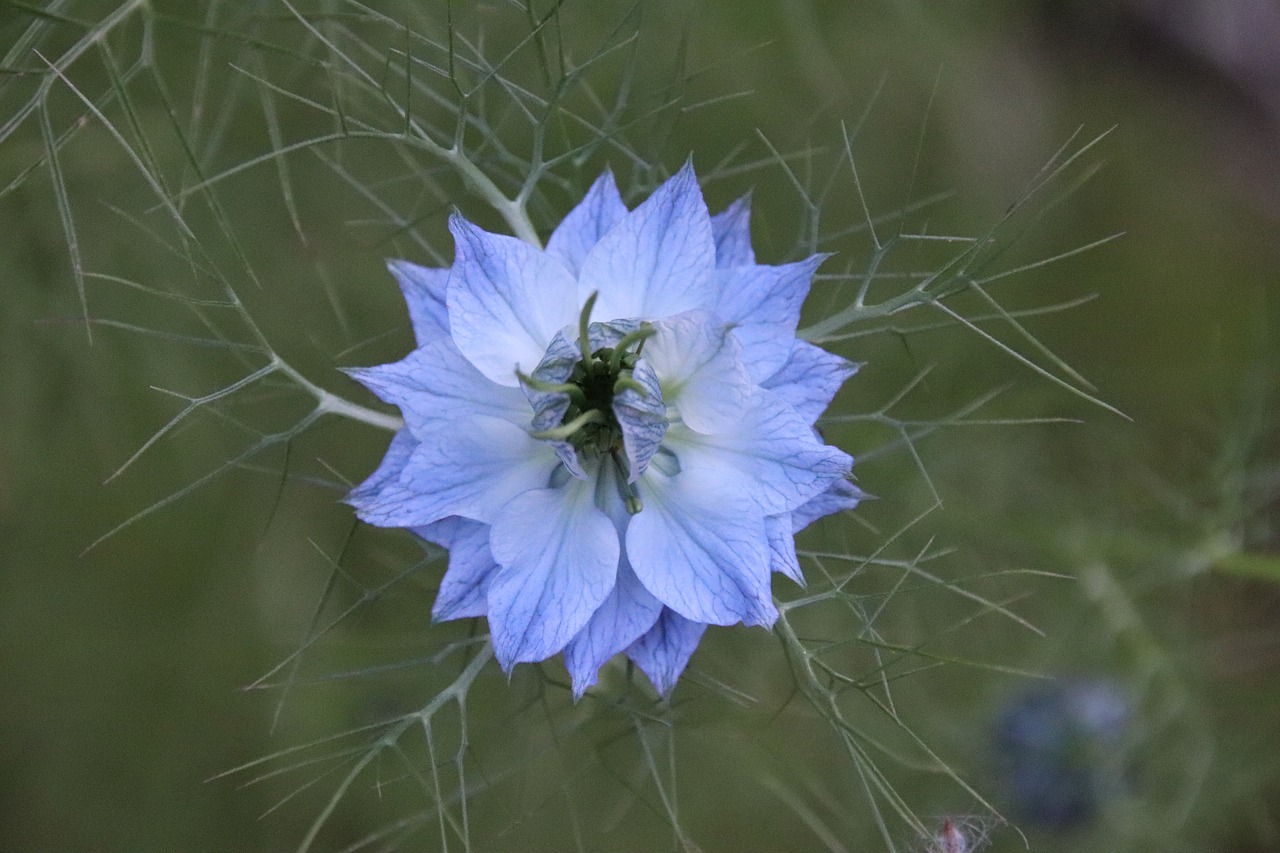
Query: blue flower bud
[1056, 747]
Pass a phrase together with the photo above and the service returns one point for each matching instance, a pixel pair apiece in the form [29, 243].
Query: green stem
[330, 403]
[511, 210]
[858, 313]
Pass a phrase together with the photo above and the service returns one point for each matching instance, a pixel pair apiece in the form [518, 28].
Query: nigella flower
[1060, 752]
[612, 436]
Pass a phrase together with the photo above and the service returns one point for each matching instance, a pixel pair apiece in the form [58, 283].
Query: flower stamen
[630, 494]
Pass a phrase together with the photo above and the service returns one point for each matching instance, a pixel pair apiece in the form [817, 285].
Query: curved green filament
[564, 431]
[626, 383]
[584, 322]
[639, 336]
[575, 393]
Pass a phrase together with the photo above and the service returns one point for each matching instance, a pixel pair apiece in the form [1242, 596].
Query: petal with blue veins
[664, 651]
[388, 471]
[699, 365]
[600, 209]
[782, 547]
[839, 496]
[469, 468]
[772, 454]
[436, 384]
[507, 300]
[464, 588]
[809, 378]
[731, 229]
[424, 292]
[559, 558]
[699, 546]
[627, 613]
[763, 303]
[656, 261]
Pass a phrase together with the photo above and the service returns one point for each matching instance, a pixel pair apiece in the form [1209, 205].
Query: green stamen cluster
[589, 424]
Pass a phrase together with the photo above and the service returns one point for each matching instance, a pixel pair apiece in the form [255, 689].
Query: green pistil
[620, 354]
[584, 323]
[574, 392]
[626, 383]
[569, 428]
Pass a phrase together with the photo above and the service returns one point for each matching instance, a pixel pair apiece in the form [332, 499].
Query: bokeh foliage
[121, 664]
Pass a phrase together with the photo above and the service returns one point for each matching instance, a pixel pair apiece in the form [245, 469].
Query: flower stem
[511, 210]
[335, 405]
[330, 403]
[389, 741]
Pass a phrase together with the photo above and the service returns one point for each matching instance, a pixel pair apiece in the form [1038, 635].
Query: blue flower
[614, 437]
[1060, 753]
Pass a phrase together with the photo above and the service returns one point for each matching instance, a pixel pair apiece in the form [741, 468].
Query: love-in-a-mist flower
[614, 436]
[1060, 751]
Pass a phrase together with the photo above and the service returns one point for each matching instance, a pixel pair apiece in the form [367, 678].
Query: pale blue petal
[582, 227]
[507, 300]
[465, 585]
[656, 261]
[809, 379]
[469, 468]
[388, 471]
[731, 229]
[772, 454]
[642, 418]
[664, 652]
[424, 293]
[763, 303]
[435, 383]
[559, 557]
[556, 365]
[627, 613]
[840, 495]
[782, 547]
[699, 364]
[568, 456]
[699, 546]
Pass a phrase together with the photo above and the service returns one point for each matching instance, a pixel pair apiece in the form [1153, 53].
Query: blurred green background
[121, 668]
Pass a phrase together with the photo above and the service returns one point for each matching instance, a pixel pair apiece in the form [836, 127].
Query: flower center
[589, 423]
